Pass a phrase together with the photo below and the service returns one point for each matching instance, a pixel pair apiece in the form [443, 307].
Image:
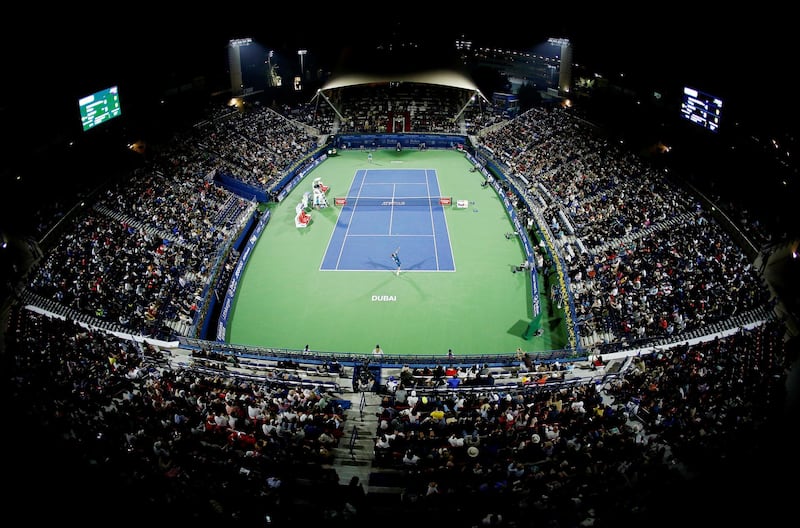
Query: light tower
[565, 64]
[302, 54]
[298, 79]
[235, 63]
[273, 79]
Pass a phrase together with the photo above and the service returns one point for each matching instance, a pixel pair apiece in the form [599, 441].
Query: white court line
[433, 223]
[349, 222]
[391, 215]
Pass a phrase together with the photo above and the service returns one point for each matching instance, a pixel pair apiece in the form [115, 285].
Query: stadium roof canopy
[447, 78]
[440, 77]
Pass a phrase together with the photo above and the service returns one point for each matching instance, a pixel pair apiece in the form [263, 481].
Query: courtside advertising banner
[237, 273]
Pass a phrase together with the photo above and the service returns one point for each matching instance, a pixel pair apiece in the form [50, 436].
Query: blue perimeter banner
[237, 273]
[298, 176]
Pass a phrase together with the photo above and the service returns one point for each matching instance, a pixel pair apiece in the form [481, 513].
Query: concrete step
[362, 421]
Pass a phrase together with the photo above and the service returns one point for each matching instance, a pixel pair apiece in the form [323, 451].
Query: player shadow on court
[373, 264]
[303, 231]
[418, 266]
[387, 282]
[389, 267]
[519, 328]
[423, 294]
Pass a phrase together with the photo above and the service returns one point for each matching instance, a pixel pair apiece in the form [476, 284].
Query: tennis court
[286, 300]
[386, 211]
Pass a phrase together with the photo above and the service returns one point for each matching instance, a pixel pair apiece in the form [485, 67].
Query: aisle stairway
[355, 453]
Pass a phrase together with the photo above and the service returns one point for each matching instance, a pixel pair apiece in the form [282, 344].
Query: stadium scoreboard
[99, 107]
[702, 109]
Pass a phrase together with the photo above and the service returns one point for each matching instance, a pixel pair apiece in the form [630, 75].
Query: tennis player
[396, 259]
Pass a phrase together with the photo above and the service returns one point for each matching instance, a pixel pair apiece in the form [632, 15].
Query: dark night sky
[740, 55]
[147, 42]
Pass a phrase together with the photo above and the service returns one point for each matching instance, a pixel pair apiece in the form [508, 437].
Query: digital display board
[702, 109]
[99, 107]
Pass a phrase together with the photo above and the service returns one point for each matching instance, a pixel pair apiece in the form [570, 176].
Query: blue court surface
[387, 209]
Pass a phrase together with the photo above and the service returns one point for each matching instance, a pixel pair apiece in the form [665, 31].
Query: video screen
[702, 109]
[99, 107]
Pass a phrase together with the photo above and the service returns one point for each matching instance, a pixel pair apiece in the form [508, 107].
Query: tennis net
[394, 201]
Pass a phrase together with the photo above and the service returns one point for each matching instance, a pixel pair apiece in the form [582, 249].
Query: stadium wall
[294, 177]
[239, 188]
[437, 141]
[230, 295]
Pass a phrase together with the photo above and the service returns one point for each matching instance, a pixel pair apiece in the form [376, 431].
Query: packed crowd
[175, 442]
[256, 144]
[566, 455]
[418, 107]
[194, 442]
[629, 452]
[651, 261]
[143, 256]
[317, 114]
